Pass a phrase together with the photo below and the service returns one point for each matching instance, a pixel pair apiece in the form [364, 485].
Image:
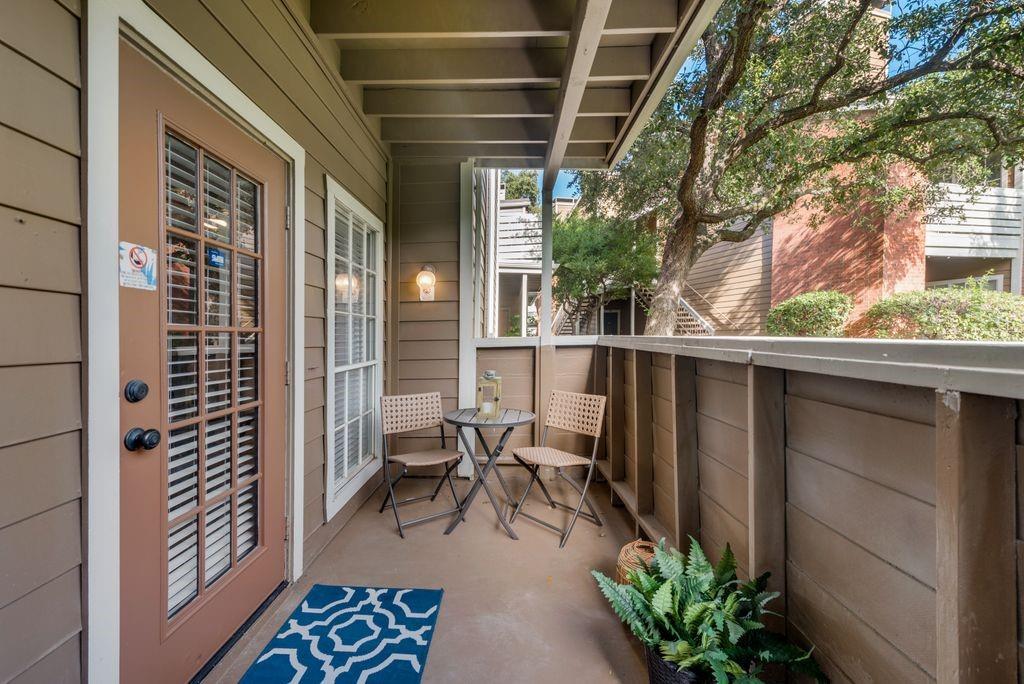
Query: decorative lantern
[488, 395]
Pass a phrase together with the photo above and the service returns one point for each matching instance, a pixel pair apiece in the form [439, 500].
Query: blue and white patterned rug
[360, 635]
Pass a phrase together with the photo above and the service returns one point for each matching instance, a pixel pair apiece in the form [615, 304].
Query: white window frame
[335, 498]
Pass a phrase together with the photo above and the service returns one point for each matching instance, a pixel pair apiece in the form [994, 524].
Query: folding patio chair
[405, 413]
[579, 413]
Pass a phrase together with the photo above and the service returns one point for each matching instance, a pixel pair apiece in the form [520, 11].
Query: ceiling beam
[581, 58]
[410, 102]
[495, 150]
[485, 66]
[514, 163]
[403, 19]
[512, 130]
[670, 52]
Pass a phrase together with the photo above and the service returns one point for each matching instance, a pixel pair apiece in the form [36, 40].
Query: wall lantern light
[425, 280]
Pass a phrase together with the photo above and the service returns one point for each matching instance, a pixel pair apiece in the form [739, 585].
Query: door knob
[137, 438]
[135, 391]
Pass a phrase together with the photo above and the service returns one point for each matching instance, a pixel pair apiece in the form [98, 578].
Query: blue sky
[561, 184]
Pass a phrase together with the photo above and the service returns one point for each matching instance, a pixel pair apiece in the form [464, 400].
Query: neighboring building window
[355, 345]
[990, 282]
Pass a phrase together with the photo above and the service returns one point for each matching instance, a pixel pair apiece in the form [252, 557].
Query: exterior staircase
[688, 321]
[582, 318]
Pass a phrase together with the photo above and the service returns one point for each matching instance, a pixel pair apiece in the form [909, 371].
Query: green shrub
[971, 312]
[811, 314]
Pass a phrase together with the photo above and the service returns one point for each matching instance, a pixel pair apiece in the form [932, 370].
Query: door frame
[105, 23]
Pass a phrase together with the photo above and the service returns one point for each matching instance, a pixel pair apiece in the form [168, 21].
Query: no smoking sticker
[137, 266]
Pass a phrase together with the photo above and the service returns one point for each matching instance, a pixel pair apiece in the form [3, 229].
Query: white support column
[467, 348]
[632, 311]
[524, 303]
[546, 216]
[492, 252]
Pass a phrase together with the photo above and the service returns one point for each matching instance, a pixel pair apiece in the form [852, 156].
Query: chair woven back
[581, 413]
[407, 412]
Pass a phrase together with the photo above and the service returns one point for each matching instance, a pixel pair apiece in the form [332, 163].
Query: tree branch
[937, 63]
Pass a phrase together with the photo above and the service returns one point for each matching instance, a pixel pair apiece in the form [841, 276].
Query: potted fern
[699, 623]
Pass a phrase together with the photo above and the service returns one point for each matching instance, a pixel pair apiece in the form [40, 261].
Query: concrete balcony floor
[513, 611]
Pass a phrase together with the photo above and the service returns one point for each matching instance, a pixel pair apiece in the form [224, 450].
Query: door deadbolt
[135, 391]
[137, 438]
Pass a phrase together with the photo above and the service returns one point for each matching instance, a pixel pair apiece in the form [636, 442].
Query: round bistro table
[463, 420]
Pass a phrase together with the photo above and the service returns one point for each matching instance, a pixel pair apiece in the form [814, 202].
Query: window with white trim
[355, 265]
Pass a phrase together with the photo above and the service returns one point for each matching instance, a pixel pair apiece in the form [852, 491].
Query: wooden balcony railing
[876, 481]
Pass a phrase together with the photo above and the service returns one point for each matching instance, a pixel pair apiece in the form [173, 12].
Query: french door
[202, 321]
[355, 266]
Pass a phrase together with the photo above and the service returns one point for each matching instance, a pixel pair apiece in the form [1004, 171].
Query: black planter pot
[659, 671]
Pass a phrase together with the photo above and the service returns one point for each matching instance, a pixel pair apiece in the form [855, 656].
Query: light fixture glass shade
[425, 281]
[426, 278]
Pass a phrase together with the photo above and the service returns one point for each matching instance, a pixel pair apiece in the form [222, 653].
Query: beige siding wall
[860, 526]
[427, 232]
[722, 457]
[734, 281]
[40, 343]
[269, 53]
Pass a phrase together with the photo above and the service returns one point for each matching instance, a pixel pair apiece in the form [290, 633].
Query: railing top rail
[993, 368]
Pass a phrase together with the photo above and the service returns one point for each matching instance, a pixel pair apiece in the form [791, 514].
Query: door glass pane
[216, 200]
[180, 161]
[248, 459]
[218, 541]
[247, 220]
[218, 371]
[217, 281]
[182, 376]
[182, 565]
[248, 366]
[248, 287]
[218, 456]
[182, 470]
[247, 520]
[182, 284]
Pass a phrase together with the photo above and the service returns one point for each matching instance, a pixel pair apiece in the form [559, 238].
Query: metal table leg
[492, 458]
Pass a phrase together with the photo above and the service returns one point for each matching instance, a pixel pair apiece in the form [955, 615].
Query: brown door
[202, 513]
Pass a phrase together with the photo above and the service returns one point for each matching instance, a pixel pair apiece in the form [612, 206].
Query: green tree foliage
[971, 312]
[781, 95]
[600, 259]
[702, 618]
[522, 185]
[811, 314]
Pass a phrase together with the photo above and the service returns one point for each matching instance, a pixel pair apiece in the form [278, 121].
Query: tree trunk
[678, 258]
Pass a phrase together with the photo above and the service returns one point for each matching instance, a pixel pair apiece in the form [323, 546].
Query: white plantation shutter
[355, 333]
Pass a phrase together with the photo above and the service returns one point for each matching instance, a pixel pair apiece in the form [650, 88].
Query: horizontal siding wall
[860, 526]
[733, 283]
[722, 457]
[427, 232]
[270, 55]
[40, 343]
